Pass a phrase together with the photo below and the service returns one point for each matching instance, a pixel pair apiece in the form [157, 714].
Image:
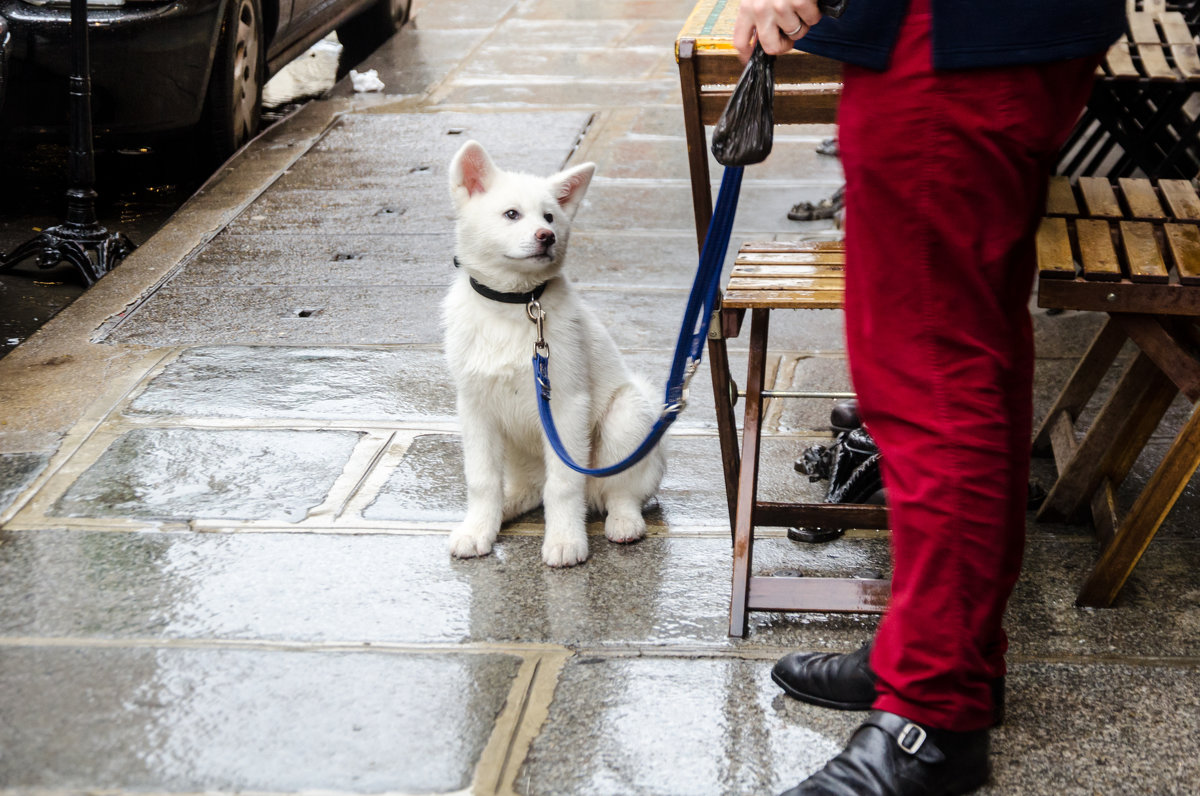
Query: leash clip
[676, 407]
[536, 314]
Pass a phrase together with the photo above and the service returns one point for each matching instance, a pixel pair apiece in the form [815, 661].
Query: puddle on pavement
[188, 473]
[192, 720]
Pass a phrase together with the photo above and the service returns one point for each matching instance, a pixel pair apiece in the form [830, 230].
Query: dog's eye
[549, 218]
[512, 215]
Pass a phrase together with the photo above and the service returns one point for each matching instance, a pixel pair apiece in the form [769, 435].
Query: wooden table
[1131, 250]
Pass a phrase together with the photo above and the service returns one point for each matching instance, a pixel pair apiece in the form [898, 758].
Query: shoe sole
[820, 702]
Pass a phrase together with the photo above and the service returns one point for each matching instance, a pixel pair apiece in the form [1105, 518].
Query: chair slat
[1141, 198]
[1099, 198]
[1142, 253]
[1183, 241]
[787, 271]
[1120, 63]
[1181, 198]
[1096, 250]
[1054, 256]
[783, 299]
[1183, 46]
[1149, 47]
[789, 258]
[794, 246]
[802, 283]
[1060, 199]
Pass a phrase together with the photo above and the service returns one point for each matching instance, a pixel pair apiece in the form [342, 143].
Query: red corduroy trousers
[945, 182]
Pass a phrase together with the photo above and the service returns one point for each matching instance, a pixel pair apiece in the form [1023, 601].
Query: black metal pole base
[80, 240]
[91, 249]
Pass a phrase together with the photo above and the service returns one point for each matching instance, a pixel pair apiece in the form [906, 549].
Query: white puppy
[512, 234]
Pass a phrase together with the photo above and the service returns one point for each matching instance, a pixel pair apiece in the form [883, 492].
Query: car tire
[364, 32]
[233, 105]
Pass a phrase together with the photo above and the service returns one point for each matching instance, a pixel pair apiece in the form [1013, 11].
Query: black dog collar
[507, 298]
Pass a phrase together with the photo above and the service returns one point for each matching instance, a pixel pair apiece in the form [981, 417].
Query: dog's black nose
[545, 237]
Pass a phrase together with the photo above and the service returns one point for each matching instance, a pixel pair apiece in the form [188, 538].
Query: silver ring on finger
[792, 33]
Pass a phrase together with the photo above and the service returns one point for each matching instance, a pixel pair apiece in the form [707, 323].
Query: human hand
[775, 24]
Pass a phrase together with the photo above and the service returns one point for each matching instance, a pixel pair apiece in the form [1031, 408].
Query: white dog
[512, 234]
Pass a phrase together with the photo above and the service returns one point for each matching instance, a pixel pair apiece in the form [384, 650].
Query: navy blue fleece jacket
[973, 33]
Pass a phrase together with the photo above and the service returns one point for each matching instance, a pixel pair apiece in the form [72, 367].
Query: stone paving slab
[672, 727]
[582, 10]
[504, 92]
[597, 62]
[665, 592]
[228, 720]
[675, 727]
[263, 315]
[18, 471]
[321, 259]
[537, 141]
[277, 383]
[368, 211]
[463, 15]
[373, 151]
[538, 34]
[182, 474]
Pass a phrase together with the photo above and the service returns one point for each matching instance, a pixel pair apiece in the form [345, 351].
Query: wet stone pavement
[228, 472]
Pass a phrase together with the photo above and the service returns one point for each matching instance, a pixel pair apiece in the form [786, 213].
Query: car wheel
[367, 30]
[233, 107]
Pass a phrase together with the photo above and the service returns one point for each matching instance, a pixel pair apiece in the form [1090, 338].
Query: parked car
[165, 67]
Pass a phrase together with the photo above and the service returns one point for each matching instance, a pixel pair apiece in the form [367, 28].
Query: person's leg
[946, 174]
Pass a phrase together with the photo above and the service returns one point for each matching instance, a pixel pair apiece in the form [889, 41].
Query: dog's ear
[472, 172]
[569, 186]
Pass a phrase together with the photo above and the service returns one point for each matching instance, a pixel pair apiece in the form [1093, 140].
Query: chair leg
[1144, 519]
[747, 492]
[718, 363]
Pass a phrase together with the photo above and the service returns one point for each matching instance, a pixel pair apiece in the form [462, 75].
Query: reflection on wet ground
[229, 572]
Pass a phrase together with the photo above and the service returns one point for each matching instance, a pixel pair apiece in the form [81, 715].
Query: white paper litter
[366, 81]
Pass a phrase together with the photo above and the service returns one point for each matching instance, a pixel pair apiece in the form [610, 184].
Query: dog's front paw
[565, 551]
[466, 542]
[622, 528]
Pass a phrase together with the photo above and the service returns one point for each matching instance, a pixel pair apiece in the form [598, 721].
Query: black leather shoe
[844, 681]
[888, 755]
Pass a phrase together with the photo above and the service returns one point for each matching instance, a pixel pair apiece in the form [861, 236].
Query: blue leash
[689, 349]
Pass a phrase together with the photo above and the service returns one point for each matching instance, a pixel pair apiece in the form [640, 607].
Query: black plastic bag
[833, 8]
[745, 130]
